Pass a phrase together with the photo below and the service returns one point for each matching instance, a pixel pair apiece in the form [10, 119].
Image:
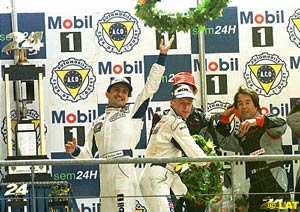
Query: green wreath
[204, 184]
[170, 22]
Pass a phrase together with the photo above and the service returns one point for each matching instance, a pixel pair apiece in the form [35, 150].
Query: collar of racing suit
[172, 111]
[124, 108]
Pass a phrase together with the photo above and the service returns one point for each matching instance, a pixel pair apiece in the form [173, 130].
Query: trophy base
[42, 177]
[14, 204]
[60, 204]
[24, 173]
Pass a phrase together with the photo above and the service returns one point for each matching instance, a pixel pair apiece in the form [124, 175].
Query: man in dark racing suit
[259, 134]
[293, 120]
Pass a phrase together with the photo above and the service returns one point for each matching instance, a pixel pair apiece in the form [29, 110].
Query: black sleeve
[272, 121]
[223, 129]
[161, 59]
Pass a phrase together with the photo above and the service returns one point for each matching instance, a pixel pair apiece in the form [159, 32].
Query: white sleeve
[150, 88]
[187, 143]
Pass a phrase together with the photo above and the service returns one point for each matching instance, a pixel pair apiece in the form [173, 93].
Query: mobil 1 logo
[70, 42]
[76, 132]
[262, 36]
[216, 84]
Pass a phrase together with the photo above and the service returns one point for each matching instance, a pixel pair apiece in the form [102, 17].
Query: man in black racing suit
[293, 120]
[259, 134]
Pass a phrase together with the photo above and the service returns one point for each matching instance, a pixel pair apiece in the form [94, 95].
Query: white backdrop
[80, 56]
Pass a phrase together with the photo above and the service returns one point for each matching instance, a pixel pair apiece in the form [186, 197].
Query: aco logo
[31, 115]
[266, 74]
[118, 32]
[72, 79]
[293, 28]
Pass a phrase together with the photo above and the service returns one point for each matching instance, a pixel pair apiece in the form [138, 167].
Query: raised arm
[152, 82]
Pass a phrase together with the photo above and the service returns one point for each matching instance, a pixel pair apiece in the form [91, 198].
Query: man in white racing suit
[198, 123]
[116, 133]
[170, 138]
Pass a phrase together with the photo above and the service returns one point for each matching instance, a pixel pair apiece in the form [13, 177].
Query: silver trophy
[27, 145]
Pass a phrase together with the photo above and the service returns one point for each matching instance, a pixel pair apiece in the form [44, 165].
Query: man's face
[246, 107]
[182, 106]
[118, 95]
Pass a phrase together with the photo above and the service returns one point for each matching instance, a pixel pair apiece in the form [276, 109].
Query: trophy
[60, 197]
[23, 74]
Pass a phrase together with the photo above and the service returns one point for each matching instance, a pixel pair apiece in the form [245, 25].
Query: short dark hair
[249, 92]
[124, 80]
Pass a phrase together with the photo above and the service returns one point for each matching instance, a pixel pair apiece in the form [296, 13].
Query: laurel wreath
[174, 22]
[60, 189]
[204, 184]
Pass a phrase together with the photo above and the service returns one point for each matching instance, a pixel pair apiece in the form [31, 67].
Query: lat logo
[294, 28]
[266, 74]
[72, 79]
[118, 32]
[279, 204]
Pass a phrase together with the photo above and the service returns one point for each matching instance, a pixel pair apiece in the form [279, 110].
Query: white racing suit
[116, 134]
[170, 138]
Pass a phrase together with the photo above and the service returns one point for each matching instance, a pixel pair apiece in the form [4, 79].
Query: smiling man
[116, 134]
[259, 134]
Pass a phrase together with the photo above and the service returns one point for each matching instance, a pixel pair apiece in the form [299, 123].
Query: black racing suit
[293, 120]
[266, 177]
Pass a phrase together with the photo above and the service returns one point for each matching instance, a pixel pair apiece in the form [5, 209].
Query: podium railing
[95, 161]
[231, 160]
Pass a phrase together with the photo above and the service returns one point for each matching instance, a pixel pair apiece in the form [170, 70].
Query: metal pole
[14, 27]
[232, 184]
[124, 160]
[201, 44]
[33, 189]
[8, 119]
[41, 105]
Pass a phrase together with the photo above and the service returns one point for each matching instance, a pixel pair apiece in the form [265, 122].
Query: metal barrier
[147, 160]
[97, 161]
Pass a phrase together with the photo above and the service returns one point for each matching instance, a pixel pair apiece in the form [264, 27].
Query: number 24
[14, 189]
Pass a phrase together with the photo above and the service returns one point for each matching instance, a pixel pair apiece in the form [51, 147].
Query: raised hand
[71, 145]
[164, 48]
